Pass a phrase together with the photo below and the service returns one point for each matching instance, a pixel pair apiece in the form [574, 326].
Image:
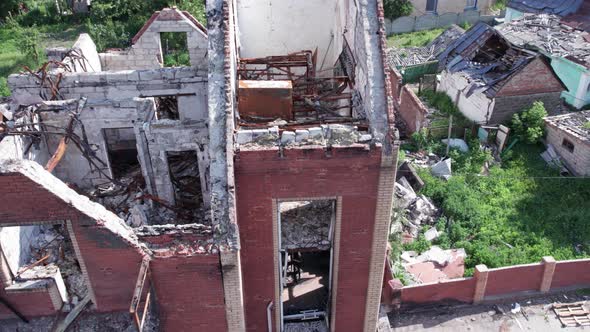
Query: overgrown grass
[413, 39]
[519, 213]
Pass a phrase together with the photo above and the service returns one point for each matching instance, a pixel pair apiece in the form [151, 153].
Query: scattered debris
[442, 169]
[410, 56]
[572, 314]
[435, 264]
[457, 143]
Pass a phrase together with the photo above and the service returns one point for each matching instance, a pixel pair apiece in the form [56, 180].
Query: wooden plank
[72, 315]
[59, 153]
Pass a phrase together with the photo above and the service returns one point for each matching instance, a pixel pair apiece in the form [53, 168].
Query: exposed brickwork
[514, 279]
[412, 110]
[505, 107]
[501, 282]
[571, 273]
[189, 293]
[353, 174]
[536, 77]
[111, 264]
[31, 304]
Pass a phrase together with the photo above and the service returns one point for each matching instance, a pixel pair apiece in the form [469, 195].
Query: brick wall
[536, 81]
[506, 106]
[411, 110]
[111, 264]
[189, 291]
[30, 304]
[497, 283]
[577, 161]
[353, 174]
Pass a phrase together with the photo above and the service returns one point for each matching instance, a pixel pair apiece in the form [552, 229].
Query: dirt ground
[491, 316]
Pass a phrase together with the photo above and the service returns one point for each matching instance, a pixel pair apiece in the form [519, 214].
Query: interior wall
[15, 245]
[287, 26]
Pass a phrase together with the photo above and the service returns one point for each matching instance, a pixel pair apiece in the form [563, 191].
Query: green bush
[529, 125]
[397, 8]
[419, 245]
[4, 90]
[441, 101]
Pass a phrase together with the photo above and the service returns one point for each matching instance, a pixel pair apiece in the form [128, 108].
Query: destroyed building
[253, 185]
[569, 136]
[489, 79]
[518, 8]
[565, 41]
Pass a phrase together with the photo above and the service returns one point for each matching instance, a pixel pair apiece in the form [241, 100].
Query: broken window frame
[471, 5]
[336, 202]
[568, 145]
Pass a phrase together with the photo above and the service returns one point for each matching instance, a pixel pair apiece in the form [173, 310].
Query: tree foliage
[529, 124]
[397, 8]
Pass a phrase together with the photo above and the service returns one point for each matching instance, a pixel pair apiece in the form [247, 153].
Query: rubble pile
[419, 55]
[311, 326]
[435, 264]
[548, 34]
[51, 250]
[419, 210]
[306, 224]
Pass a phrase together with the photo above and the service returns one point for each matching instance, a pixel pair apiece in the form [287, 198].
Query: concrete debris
[435, 264]
[548, 34]
[422, 159]
[313, 326]
[432, 234]
[335, 134]
[418, 210]
[418, 55]
[306, 224]
[457, 143]
[442, 169]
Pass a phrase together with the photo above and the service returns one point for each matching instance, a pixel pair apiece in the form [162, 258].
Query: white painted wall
[477, 107]
[278, 27]
[15, 244]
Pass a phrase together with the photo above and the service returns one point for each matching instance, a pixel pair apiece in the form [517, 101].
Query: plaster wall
[477, 107]
[450, 6]
[287, 26]
[572, 75]
[15, 245]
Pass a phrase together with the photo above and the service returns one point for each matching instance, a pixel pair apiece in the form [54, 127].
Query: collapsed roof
[575, 123]
[485, 58]
[549, 35]
[557, 7]
[417, 55]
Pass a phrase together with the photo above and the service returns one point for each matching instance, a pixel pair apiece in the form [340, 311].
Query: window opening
[175, 49]
[568, 145]
[122, 151]
[167, 108]
[186, 180]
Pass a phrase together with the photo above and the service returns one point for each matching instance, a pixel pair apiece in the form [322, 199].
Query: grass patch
[519, 213]
[413, 39]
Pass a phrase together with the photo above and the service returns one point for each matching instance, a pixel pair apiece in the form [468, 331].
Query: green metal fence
[412, 74]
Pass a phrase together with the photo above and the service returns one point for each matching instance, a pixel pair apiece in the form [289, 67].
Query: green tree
[8, 6]
[529, 125]
[397, 8]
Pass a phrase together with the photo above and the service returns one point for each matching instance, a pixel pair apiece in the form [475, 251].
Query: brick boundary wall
[491, 284]
[412, 110]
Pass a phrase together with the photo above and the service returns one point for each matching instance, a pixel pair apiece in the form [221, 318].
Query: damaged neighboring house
[568, 136]
[565, 41]
[254, 185]
[516, 9]
[489, 79]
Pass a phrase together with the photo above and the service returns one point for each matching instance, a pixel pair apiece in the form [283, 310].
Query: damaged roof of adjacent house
[549, 35]
[401, 57]
[580, 19]
[575, 123]
[556, 7]
[485, 58]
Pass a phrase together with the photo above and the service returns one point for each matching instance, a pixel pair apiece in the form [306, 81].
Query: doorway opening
[306, 258]
[122, 151]
[186, 180]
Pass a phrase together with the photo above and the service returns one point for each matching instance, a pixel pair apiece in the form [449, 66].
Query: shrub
[419, 245]
[4, 90]
[397, 8]
[529, 125]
